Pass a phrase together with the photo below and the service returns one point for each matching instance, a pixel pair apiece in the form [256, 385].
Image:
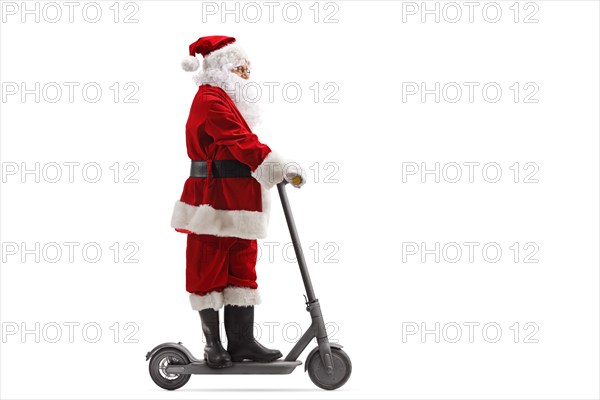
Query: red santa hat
[218, 52]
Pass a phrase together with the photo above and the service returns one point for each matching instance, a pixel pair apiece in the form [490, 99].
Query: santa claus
[225, 202]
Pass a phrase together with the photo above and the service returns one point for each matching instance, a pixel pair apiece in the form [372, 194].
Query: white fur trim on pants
[212, 300]
[241, 296]
[205, 219]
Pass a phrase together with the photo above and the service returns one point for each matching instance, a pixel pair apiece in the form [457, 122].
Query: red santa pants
[217, 266]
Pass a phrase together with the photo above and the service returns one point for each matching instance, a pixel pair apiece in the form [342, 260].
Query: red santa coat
[237, 207]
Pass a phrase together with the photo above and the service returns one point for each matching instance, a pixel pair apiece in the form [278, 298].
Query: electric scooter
[329, 367]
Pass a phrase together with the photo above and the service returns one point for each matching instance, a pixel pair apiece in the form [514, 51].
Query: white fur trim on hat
[190, 63]
[212, 300]
[231, 54]
[205, 219]
[241, 296]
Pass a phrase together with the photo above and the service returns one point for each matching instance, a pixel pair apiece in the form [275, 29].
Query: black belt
[220, 169]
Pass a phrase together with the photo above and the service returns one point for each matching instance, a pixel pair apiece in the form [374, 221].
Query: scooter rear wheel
[159, 363]
[342, 368]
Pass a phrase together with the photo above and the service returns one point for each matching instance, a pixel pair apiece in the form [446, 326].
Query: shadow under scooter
[329, 367]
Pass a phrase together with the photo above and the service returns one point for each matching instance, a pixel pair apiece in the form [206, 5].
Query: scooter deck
[238, 368]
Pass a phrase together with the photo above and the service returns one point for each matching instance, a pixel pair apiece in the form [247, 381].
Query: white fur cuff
[212, 300]
[241, 296]
[273, 169]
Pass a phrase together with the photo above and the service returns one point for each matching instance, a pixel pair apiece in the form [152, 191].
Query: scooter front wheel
[159, 363]
[342, 368]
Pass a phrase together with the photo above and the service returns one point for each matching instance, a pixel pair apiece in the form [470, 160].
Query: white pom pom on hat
[216, 50]
[190, 63]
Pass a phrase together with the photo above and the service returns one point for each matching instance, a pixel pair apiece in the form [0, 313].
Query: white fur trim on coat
[241, 296]
[205, 219]
[274, 169]
[212, 300]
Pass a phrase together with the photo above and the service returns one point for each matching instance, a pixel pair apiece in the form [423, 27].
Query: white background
[370, 296]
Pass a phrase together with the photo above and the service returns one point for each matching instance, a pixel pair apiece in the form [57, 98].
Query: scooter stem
[317, 328]
[287, 210]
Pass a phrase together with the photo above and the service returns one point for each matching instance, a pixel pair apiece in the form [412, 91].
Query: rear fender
[171, 345]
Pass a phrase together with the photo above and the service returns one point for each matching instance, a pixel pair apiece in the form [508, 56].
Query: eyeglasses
[242, 69]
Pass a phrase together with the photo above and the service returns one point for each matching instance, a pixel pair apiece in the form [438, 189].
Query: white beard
[243, 92]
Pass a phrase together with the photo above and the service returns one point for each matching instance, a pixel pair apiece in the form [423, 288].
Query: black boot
[239, 326]
[214, 353]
